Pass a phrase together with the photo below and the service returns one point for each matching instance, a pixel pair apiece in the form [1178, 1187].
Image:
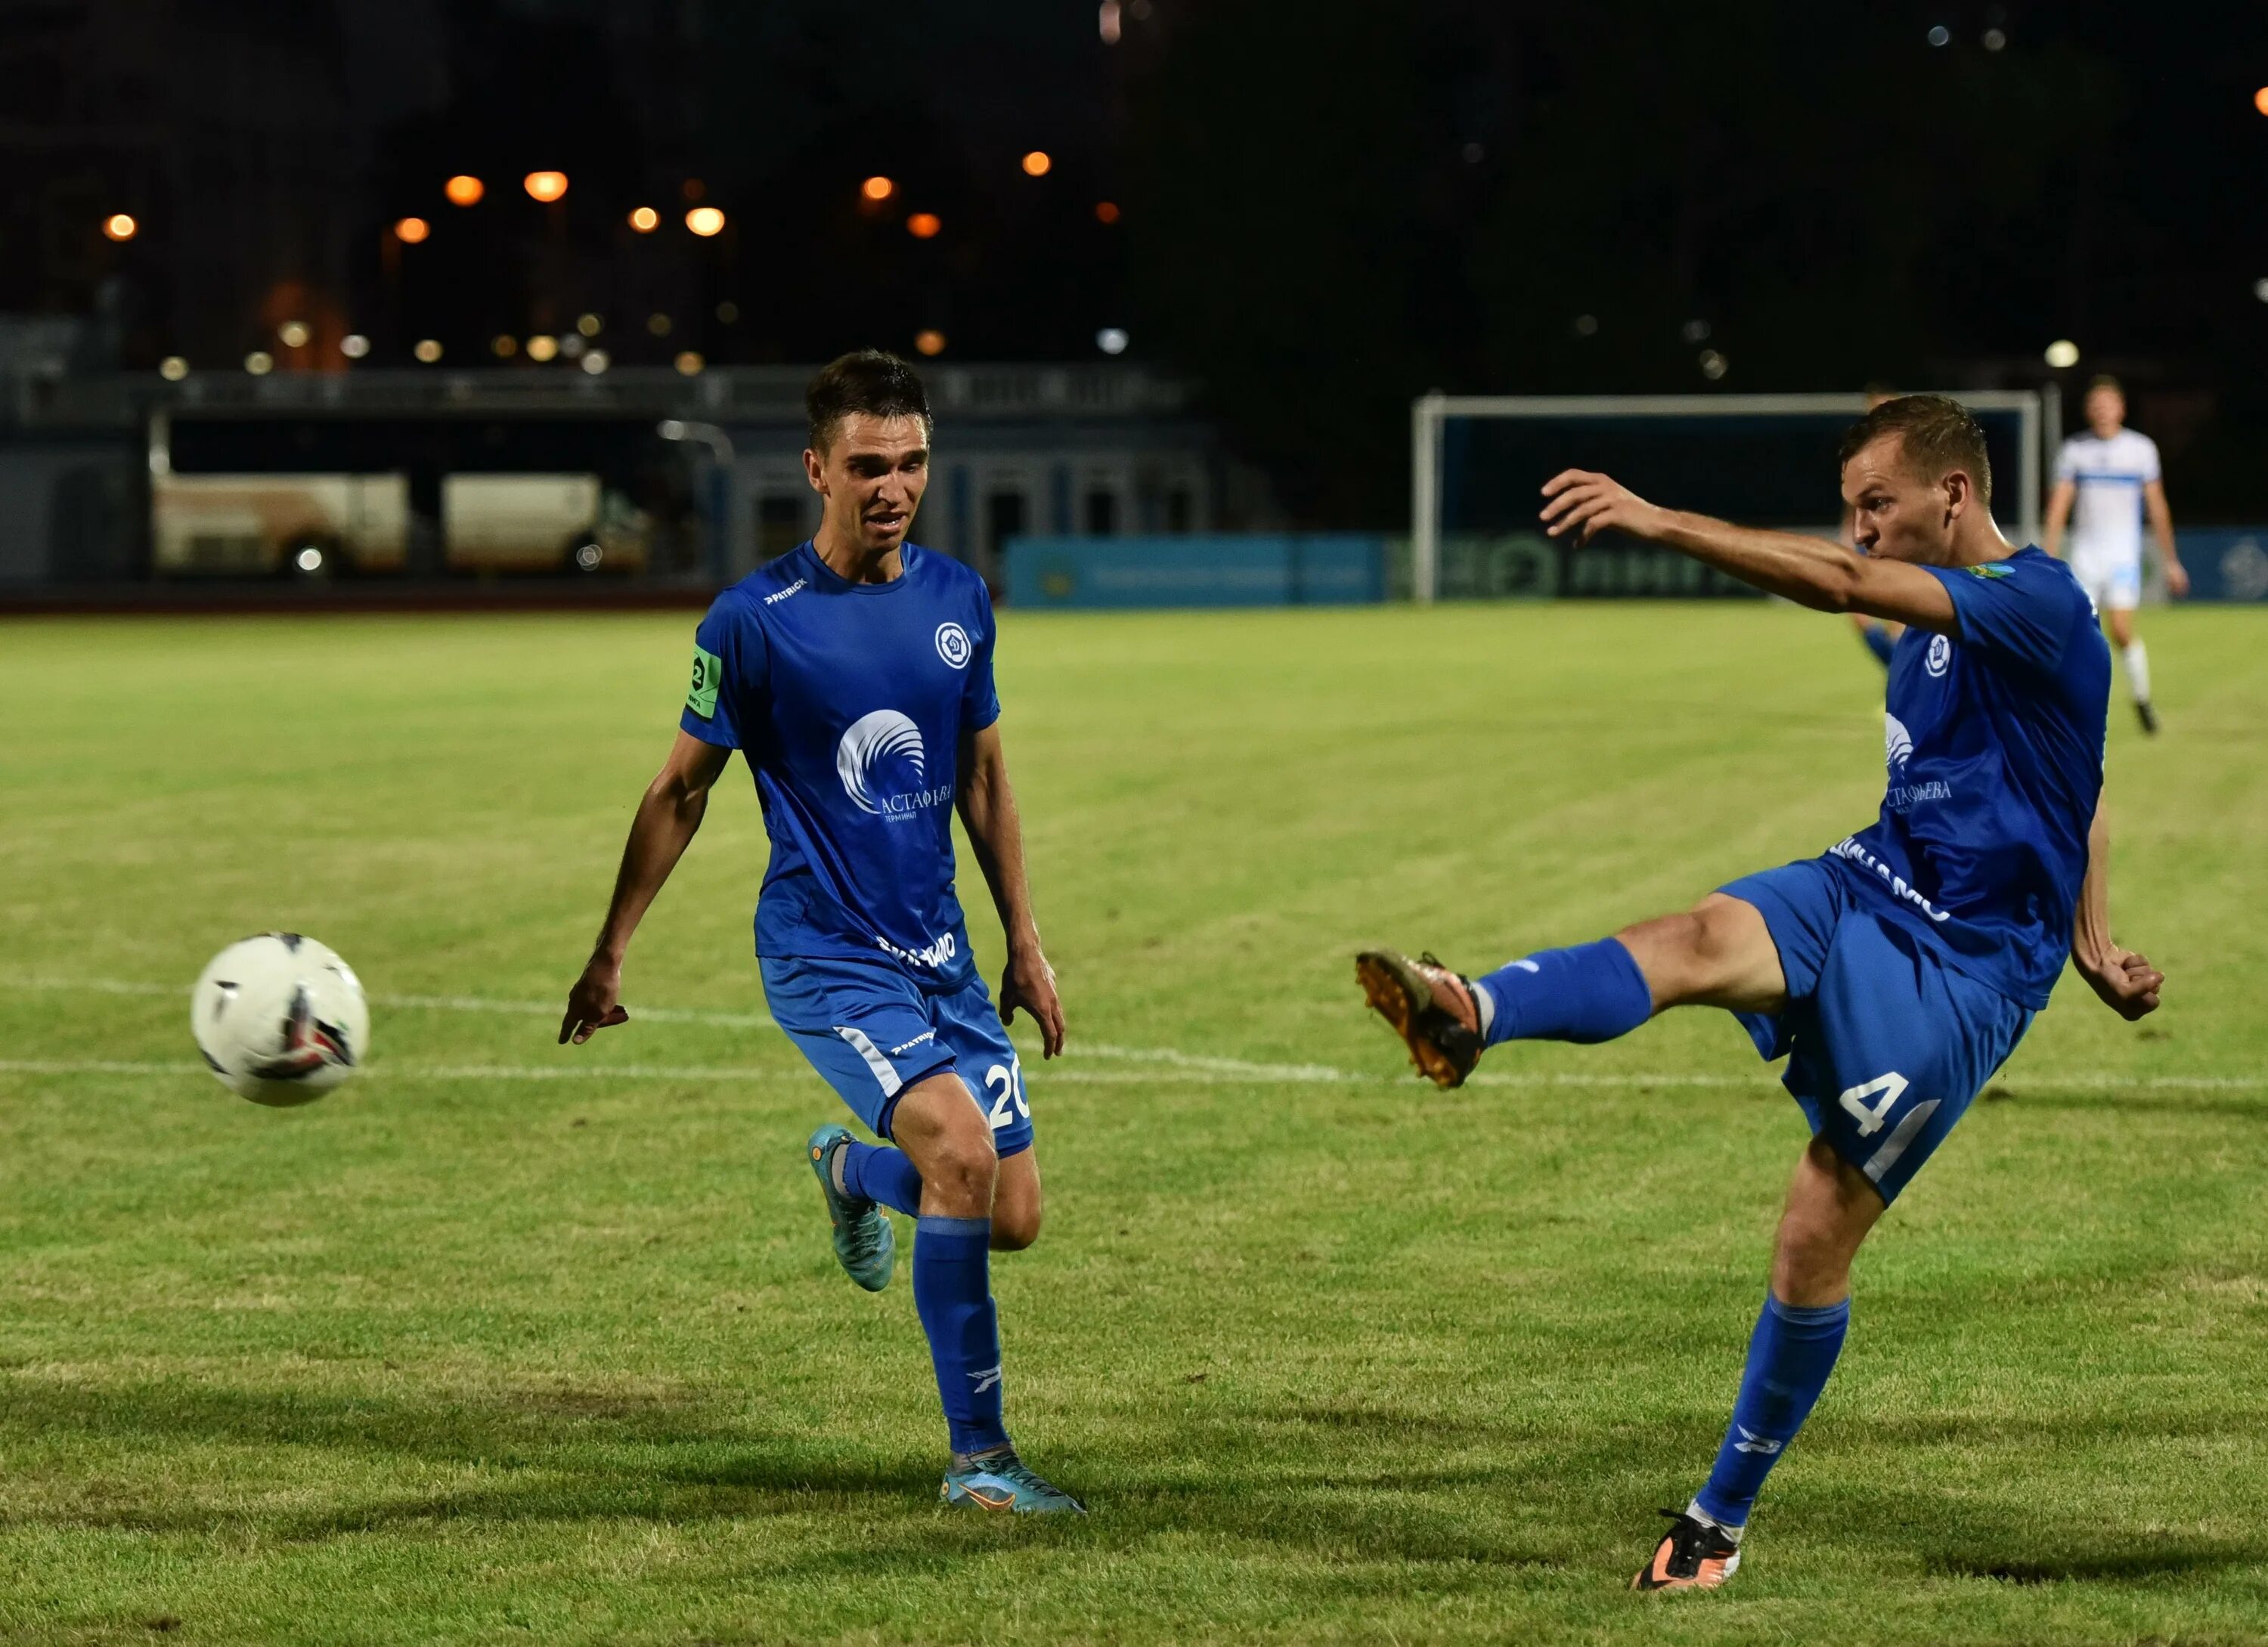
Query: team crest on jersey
[952, 644]
[1940, 655]
[878, 748]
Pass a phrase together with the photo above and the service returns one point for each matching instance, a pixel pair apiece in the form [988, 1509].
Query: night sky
[1321, 210]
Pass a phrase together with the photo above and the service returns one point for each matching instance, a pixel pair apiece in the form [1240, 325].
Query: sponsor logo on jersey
[953, 645]
[1851, 852]
[778, 595]
[904, 1047]
[878, 747]
[1940, 653]
[1990, 569]
[1897, 742]
[932, 955]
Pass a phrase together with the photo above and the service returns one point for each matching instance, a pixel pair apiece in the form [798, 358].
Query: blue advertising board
[2225, 563]
[1206, 570]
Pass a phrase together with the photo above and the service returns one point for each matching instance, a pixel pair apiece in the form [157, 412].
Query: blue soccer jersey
[849, 702]
[1994, 743]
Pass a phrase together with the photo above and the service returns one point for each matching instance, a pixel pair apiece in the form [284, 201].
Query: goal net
[1478, 464]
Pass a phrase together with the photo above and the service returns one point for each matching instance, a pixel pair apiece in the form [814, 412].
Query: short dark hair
[1935, 434]
[869, 380]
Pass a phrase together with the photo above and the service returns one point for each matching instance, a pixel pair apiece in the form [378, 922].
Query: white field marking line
[1172, 1059]
[1258, 1075]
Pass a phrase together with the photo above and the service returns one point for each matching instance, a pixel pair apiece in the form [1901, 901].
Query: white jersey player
[2106, 481]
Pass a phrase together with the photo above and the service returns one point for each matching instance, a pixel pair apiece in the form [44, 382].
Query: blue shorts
[1885, 1042]
[872, 1031]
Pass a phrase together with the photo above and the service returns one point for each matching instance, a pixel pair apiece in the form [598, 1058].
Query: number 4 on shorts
[1890, 1088]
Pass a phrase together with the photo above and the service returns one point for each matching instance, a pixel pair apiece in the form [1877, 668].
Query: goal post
[1477, 463]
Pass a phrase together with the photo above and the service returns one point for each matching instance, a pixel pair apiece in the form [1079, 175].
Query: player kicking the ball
[1896, 972]
[855, 675]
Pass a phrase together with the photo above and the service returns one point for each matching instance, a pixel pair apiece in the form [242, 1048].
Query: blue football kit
[1916, 951]
[849, 702]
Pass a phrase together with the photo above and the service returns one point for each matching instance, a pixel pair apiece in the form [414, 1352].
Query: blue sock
[876, 1173]
[1593, 992]
[1879, 643]
[953, 1295]
[1790, 1355]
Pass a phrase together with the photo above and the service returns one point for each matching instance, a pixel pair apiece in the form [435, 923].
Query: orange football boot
[1693, 1554]
[1429, 1007]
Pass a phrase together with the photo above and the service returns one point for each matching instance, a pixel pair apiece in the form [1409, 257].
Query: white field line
[1171, 1063]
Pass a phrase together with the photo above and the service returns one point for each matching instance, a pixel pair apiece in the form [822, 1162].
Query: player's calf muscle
[1718, 953]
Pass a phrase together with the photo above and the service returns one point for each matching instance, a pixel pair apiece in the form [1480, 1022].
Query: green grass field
[510, 1342]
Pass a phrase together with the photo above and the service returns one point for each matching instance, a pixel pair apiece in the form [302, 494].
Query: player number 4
[1887, 1088]
[1006, 1081]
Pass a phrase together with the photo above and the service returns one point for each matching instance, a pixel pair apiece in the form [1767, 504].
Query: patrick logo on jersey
[884, 767]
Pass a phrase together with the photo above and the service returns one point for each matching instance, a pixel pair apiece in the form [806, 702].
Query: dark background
[1324, 209]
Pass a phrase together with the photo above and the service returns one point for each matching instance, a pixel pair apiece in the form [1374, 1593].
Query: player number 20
[1005, 1082]
[1886, 1089]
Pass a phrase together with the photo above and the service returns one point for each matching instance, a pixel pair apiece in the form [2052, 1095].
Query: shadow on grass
[2018, 1095]
[2130, 1560]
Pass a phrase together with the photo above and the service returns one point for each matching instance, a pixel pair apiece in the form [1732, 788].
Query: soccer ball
[281, 1018]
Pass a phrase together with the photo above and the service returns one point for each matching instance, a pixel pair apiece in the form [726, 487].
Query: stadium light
[1713, 366]
[1038, 163]
[589, 325]
[877, 189]
[260, 362]
[428, 349]
[644, 219]
[464, 189]
[120, 226]
[545, 185]
[2260, 100]
[2062, 354]
[1112, 340]
[1995, 38]
[924, 225]
[174, 368]
[728, 311]
[595, 362]
[542, 347]
[1941, 35]
[688, 363]
[354, 346]
[293, 333]
[705, 221]
[931, 342]
[1106, 211]
[412, 231]
[503, 346]
[2260, 289]
[657, 325]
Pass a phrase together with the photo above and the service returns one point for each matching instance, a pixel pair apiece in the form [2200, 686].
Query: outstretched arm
[2127, 981]
[666, 817]
[987, 808]
[1810, 572]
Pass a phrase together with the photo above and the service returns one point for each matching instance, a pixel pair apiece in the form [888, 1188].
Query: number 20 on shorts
[1005, 1083]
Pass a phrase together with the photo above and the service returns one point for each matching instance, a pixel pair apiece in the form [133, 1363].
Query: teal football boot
[998, 1480]
[865, 1242]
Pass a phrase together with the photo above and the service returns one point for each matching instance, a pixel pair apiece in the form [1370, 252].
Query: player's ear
[814, 469]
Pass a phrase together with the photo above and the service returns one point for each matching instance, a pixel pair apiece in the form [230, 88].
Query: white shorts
[2112, 578]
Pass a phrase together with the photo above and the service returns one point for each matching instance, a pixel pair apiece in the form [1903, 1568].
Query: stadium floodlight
[1478, 464]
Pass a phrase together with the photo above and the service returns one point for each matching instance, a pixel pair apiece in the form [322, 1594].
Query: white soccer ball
[281, 1018]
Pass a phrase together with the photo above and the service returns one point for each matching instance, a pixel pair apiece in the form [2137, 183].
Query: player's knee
[962, 1165]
